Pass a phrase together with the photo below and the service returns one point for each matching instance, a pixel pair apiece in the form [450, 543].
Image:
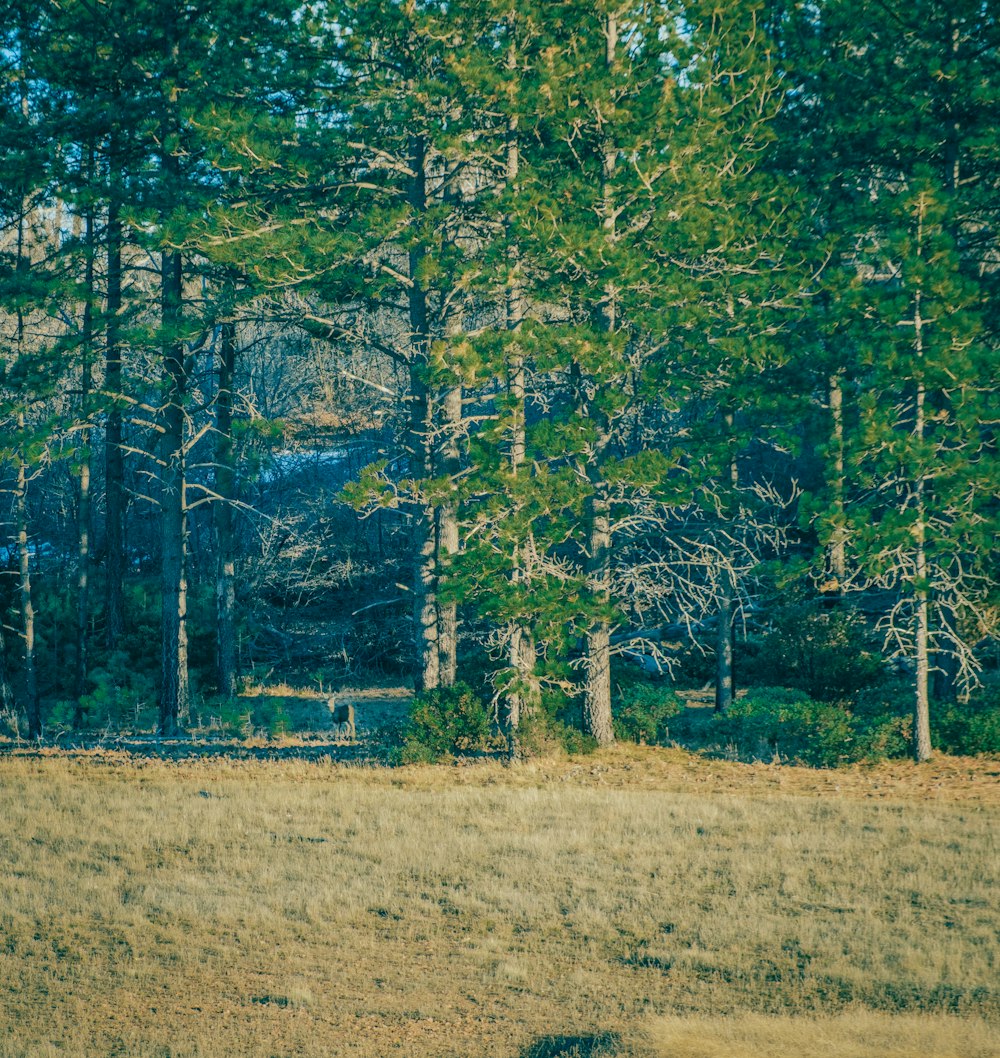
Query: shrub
[642, 712]
[882, 718]
[448, 721]
[548, 732]
[971, 728]
[787, 724]
[825, 653]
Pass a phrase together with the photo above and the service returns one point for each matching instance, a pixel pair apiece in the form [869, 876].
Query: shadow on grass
[603, 1045]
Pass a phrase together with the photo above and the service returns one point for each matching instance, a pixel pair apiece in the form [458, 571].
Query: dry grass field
[636, 902]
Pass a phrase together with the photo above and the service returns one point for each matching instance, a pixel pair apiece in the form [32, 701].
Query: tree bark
[31, 700]
[421, 433]
[523, 697]
[114, 460]
[7, 698]
[83, 508]
[837, 546]
[225, 477]
[174, 690]
[725, 687]
[725, 682]
[922, 749]
[448, 537]
[597, 691]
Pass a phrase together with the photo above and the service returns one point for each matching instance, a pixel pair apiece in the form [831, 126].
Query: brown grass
[859, 1034]
[268, 909]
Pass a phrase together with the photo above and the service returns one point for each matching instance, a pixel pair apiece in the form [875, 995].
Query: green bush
[549, 731]
[882, 718]
[642, 712]
[970, 728]
[825, 653]
[121, 696]
[446, 722]
[786, 724]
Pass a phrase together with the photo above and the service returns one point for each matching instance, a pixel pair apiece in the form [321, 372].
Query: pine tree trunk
[83, 508]
[225, 477]
[725, 683]
[421, 439]
[449, 464]
[114, 460]
[448, 538]
[174, 690]
[7, 699]
[31, 701]
[922, 749]
[921, 707]
[597, 690]
[837, 546]
[523, 696]
[725, 688]
[425, 610]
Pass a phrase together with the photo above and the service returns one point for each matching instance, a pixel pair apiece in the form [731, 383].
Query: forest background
[551, 356]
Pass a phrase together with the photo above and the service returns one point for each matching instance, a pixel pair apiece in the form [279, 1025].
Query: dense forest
[546, 354]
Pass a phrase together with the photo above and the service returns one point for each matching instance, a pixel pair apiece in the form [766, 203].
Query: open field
[634, 902]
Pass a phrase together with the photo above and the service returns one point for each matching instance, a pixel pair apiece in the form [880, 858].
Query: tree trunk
[522, 697]
[225, 477]
[725, 683]
[31, 701]
[725, 687]
[921, 707]
[922, 749]
[7, 700]
[114, 460]
[597, 690]
[837, 546]
[448, 538]
[174, 690]
[421, 439]
[83, 509]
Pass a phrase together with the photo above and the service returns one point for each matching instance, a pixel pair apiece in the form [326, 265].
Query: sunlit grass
[860, 1034]
[219, 910]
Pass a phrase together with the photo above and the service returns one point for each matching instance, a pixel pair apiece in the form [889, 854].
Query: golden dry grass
[275, 909]
[859, 1034]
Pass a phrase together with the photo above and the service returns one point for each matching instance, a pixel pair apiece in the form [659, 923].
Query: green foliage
[882, 718]
[279, 723]
[785, 724]
[971, 728]
[551, 730]
[448, 722]
[121, 695]
[826, 654]
[642, 711]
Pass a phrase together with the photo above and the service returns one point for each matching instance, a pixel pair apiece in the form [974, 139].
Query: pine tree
[906, 107]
